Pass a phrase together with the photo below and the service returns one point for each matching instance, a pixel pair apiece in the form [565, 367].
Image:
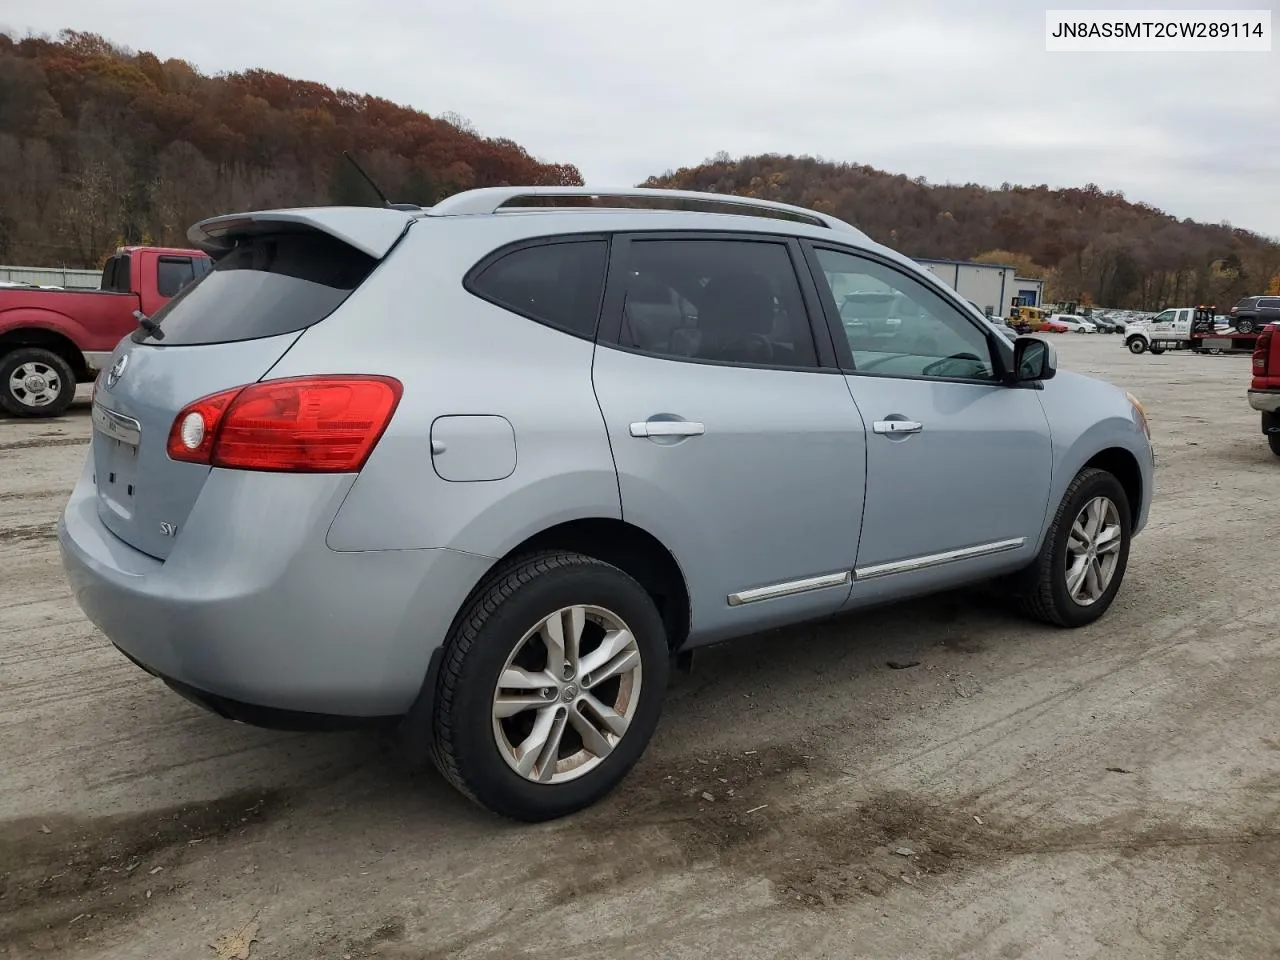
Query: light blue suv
[482, 469]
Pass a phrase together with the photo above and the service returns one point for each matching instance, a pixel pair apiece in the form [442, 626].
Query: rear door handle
[667, 428]
[897, 426]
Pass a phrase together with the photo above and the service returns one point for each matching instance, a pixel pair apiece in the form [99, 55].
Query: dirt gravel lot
[1022, 792]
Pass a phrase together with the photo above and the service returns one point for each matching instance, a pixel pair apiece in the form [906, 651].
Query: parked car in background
[1106, 324]
[1074, 323]
[51, 339]
[1264, 388]
[1253, 313]
[339, 403]
[1052, 326]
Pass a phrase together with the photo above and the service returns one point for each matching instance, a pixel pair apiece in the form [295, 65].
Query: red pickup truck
[50, 340]
[1264, 390]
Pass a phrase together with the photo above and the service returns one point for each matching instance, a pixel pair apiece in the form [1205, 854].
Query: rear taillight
[1262, 351]
[325, 424]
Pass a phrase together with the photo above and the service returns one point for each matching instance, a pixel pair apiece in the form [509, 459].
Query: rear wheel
[1137, 345]
[551, 686]
[35, 382]
[1156, 351]
[1273, 441]
[1245, 326]
[1085, 552]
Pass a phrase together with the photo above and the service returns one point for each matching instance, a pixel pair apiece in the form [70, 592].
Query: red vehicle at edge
[50, 340]
[1264, 389]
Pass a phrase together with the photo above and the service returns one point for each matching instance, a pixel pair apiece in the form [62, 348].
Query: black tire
[1042, 591]
[512, 601]
[1137, 345]
[1244, 326]
[1273, 441]
[14, 403]
[1156, 351]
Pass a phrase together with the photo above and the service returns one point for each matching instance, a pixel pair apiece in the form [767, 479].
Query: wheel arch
[1123, 465]
[631, 549]
[47, 339]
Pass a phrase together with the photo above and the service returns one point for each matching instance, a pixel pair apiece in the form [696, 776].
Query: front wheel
[1245, 326]
[551, 686]
[1137, 345]
[35, 382]
[1085, 552]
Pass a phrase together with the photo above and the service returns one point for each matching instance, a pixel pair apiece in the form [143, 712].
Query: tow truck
[1187, 328]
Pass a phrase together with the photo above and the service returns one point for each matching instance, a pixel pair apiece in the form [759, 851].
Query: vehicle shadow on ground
[779, 687]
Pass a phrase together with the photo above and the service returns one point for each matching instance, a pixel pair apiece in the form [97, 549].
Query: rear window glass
[558, 284]
[266, 286]
[115, 275]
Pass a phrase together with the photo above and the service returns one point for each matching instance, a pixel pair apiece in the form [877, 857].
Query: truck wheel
[35, 383]
[551, 686]
[1273, 441]
[1086, 549]
[1137, 345]
[1156, 351]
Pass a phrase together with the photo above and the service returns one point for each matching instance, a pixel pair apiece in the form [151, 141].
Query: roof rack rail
[486, 200]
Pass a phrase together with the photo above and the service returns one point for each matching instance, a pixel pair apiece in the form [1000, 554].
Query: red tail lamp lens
[326, 424]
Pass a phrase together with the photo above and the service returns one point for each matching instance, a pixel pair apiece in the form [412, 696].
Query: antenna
[381, 196]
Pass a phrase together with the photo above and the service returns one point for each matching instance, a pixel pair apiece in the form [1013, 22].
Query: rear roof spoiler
[372, 230]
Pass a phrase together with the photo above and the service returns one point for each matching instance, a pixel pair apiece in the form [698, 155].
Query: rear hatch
[276, 275]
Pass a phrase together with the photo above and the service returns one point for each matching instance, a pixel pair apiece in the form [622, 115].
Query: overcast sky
[952, 90]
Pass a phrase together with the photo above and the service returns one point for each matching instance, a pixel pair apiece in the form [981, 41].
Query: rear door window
[714, 300]
[266, 286]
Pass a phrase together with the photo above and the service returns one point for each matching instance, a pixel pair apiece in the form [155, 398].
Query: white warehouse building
[995, 288]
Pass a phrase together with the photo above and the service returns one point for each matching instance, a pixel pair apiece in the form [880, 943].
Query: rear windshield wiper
[149, 325]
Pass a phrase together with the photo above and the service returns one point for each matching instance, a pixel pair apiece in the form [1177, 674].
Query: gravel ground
[1022, 792]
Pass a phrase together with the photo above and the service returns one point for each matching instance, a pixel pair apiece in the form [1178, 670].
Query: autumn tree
[1084, 241]
[101, 145]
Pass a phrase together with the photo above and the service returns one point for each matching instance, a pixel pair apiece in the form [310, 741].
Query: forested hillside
[100, 146]
[1087, 242]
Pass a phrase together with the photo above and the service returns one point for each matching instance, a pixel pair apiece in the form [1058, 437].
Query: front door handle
[667, 428]
[892, 427]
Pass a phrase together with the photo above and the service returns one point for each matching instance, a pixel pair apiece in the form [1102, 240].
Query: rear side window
[172, 274]
[556, 283]
[266, 286]
[1269, 303]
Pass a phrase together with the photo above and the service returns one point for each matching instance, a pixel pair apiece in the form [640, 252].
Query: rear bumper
[252, 611]
[1267, 401]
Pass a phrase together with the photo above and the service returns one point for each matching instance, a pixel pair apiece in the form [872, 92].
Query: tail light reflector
[1262, 351]
[323, 424]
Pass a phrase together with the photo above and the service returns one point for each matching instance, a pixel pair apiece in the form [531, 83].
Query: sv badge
[168, 529]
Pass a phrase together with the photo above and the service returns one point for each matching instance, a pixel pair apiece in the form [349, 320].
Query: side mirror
[1033, 359]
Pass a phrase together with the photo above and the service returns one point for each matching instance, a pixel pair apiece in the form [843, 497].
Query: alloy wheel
[1093, 551]
[567, 694]
[35, 384]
